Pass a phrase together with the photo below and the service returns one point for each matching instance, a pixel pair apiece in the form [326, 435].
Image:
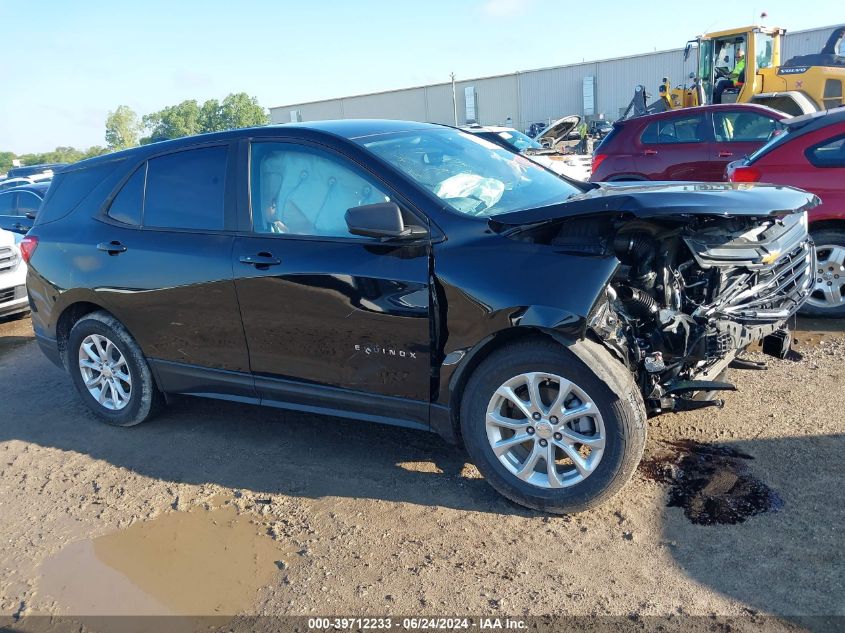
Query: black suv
[412, 274]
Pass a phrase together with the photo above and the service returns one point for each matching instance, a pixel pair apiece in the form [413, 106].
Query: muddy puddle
[713, 484]
[181, 563]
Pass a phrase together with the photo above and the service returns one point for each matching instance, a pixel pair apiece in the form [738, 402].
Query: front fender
[499, 287]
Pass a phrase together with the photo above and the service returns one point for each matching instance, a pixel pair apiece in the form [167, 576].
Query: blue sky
[66, 64]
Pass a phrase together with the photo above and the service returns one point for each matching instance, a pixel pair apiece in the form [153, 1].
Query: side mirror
[382, 220]
[687, 50]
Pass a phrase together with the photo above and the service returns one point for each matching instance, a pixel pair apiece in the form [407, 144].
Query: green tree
[236, 111]
[211, 116]
[122, 128]
[95, 150]
[63, 155]
[241, 110]
[6, 159]
[174, 121]
[58, 155]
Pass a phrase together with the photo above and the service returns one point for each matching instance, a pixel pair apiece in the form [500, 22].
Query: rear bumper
[50, 347]
[13, 300]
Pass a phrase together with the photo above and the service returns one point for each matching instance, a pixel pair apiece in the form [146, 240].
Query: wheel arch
[832, 224]
[481, 351]
[69, 316]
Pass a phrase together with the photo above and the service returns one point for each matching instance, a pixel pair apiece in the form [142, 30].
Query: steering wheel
[722, 72]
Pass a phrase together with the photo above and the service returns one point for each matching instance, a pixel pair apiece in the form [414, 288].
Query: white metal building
[595, 88]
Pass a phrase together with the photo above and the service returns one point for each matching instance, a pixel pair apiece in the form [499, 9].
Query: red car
[688, 144]
[811, 156]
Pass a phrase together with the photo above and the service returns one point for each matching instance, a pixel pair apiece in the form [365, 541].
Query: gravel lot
[222, 508]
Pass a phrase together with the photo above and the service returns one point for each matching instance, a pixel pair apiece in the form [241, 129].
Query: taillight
[745, 174]
[598, 159]
[28, 245]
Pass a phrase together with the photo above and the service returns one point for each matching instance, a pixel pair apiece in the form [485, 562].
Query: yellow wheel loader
[803, 84]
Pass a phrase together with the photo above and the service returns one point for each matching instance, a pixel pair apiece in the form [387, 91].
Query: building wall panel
[399, 104]
[804, 42]
[315, 111]
[532, 96]
[439, 104]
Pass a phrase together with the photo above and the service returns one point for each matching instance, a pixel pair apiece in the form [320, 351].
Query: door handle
[650, 152]
[261, 259]
[725, 154]
[112, 248]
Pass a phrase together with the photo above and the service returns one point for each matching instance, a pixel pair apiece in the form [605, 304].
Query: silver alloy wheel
[105, 372]
[545, 430]
[830, 277]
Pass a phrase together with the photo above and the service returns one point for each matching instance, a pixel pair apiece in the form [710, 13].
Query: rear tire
[824, 301]
[613, 425]
[110, 372]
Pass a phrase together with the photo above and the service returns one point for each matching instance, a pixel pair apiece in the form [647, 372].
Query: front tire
[553, 428]
[110, 372]
[827, 297]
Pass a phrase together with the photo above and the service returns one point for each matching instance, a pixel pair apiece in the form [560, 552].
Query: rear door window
[687, 129]
[185, 190]
[830, 153]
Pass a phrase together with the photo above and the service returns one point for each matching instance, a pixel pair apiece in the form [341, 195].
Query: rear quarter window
[829, 153]
[688, 129]
[604, 144]
[128, 204]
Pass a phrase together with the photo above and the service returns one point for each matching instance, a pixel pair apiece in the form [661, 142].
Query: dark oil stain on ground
[712, 483]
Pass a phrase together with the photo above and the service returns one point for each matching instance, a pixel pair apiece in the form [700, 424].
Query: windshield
[764, 46]
[470, 174]
[519, 140]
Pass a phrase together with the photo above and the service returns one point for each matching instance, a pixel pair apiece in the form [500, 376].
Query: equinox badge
[384, 351]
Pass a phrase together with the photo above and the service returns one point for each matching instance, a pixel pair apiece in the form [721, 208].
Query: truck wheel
[827, 298]
[110, 371]
[553, 428]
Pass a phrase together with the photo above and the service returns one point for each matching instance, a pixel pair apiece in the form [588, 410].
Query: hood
[658, 200]
[559, 130]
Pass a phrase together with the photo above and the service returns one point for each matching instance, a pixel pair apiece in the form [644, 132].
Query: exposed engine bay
[691, 293]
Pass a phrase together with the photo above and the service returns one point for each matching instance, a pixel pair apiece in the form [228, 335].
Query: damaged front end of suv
[705, 271]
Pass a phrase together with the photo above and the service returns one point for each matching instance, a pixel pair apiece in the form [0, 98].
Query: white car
[13, 298]
[572, 165]
[577, 166]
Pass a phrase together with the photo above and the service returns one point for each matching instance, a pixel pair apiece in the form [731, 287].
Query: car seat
[320, 191]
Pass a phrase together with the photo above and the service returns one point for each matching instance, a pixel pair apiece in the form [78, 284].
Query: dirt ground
[221, 508]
